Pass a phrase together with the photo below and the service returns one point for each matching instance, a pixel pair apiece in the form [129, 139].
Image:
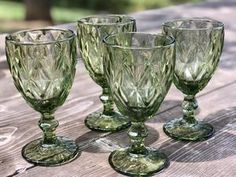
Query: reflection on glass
[199, 44]
[42, 64]
[139, 68]
[91, 31]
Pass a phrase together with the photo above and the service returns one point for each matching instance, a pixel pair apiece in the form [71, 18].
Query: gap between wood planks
[85, 144]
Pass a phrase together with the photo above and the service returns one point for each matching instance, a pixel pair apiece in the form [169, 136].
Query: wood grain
[214, 157]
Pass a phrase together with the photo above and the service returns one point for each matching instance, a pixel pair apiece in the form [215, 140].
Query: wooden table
[215, 157]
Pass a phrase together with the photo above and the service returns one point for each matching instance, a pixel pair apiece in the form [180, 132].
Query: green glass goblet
[139, 68]
[42, 63]
[91, 31]
[199, 44]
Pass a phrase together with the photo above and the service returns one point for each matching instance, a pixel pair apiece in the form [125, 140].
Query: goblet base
[106, 123]
[63, 151]
[179, 129]
[130, 164]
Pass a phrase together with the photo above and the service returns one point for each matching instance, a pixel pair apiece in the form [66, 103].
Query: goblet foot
[181, 130]
[63, 151]
[106, 123]
[138, 164]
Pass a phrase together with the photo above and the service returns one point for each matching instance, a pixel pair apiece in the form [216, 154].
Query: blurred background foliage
[21, 14]
[119, 6]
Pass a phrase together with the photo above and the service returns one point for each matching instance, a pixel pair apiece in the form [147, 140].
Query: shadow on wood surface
[3, 66]
[95, 142]
[170, 109]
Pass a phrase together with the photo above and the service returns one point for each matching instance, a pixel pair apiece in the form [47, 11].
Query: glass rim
[80, 21]
[220, 25]
[136, 47]
[9, 36]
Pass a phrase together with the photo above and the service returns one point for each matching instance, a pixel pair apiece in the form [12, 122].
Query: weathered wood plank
[21, 124]
[82, 100]
[214, 157]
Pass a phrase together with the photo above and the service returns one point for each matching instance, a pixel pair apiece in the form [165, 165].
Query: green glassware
[139, 68]
[42, 63]
[91, 31]
[199, 44]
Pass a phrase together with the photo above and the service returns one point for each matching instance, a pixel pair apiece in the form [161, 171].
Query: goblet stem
[137, 133]
[189, 106]
[48, 125]
[138, 160]
[51, 150]
[188, 128]
[106, 99]
[109, 120]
